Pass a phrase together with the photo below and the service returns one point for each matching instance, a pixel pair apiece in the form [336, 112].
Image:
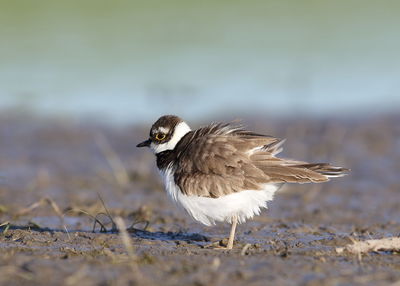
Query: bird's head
[165, 133]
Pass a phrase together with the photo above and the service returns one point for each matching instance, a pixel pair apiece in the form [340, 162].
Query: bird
[224, 173]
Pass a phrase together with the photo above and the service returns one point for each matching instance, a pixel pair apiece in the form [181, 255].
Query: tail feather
[275, 147]
[325, 169]
[302, 172]
[281, 170]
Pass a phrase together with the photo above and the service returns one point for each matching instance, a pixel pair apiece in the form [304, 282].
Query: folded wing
[222, 159]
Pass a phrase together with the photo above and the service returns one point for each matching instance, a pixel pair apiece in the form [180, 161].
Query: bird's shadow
[169, 236]
[193, 238]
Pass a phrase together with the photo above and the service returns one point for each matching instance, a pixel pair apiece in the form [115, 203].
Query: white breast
[244, 204]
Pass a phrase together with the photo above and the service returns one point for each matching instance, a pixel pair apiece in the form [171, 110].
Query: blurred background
[131, 61]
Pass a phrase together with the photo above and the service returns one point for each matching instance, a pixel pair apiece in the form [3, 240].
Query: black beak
[144, 143]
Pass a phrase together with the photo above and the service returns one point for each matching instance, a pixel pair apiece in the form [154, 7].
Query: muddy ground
[54, 174]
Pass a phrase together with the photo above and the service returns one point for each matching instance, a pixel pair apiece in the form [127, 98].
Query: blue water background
[131, 61]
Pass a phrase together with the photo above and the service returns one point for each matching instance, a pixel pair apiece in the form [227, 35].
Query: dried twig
[384, 244]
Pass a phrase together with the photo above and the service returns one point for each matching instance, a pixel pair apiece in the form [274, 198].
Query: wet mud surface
[55, 175]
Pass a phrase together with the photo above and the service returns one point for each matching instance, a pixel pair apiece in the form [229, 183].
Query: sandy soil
[48, 168]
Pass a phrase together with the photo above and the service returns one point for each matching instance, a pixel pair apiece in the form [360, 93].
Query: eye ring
[160, 136]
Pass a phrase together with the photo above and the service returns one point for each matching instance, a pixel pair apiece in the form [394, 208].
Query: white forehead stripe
[163, 130]
[181, 129]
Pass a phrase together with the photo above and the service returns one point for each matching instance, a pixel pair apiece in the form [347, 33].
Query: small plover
[224, 173]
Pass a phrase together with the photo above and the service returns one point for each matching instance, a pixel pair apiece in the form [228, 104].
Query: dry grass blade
[13, 271]
[76, 278]
[245, 248]
[397, 283]
[119, 171]
[127, 242]
[125, 237]
[114, 227]
[95, 219]
[41, 202]
[6, 225]
[132, 227]
[102, 226]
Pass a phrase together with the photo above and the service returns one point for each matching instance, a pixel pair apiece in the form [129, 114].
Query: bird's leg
[232, 234]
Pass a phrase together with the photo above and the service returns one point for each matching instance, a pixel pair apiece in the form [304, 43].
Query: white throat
[181, 129]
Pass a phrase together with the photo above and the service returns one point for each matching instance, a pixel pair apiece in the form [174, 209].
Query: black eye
[160, 136]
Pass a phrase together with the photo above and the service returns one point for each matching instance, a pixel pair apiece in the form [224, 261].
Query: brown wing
[217, 165]
[221, 160]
